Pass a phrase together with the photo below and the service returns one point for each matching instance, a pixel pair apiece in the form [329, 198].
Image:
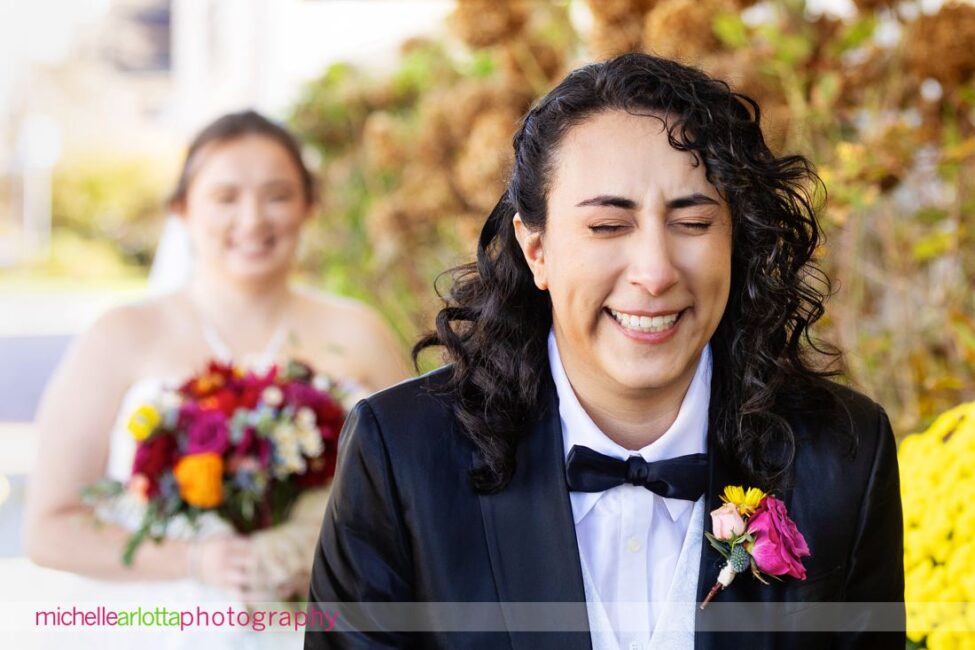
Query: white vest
[675, 626]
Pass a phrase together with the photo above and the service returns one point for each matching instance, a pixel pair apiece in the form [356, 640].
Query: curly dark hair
[495, 322]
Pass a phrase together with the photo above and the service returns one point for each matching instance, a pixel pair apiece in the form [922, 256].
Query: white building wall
[231, 54]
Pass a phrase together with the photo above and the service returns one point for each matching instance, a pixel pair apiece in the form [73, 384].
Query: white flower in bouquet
[287, 450]
[309, 439]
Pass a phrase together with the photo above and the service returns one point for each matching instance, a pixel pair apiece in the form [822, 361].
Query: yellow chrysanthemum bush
[938, 492]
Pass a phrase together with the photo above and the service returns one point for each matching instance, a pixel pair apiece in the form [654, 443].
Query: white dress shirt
[630, 538]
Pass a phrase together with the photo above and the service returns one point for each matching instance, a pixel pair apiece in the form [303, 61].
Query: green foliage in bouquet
[154, 519]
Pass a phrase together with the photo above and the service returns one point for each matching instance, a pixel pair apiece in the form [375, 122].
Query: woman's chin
[256, 270]
[646, 381]
[645, 375]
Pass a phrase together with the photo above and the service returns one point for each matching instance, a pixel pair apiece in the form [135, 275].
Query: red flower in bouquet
[153, 457]
[253, 446]
[250, 395]
[225, 400]
[206, 430]
[319, 471]
[216, 376]
[329, 414]
[251, 386]
[778, 546]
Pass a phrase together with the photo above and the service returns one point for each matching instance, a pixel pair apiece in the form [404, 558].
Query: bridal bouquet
[240, 444]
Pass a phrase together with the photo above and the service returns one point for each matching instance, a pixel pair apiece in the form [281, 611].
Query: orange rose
[200, 479]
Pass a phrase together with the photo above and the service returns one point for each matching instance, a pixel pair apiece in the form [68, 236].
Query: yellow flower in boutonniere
[143, 422]
[745, 500]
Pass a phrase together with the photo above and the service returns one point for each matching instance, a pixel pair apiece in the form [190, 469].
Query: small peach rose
[726, 523]
[139, 487]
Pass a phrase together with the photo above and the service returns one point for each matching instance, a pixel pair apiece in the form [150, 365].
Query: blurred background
[407, 109]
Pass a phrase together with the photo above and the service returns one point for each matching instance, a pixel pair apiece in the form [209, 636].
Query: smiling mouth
[251, 247]
[646, 324]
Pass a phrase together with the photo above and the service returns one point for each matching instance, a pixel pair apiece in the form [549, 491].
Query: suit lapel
[712, 625]
[531, 535]
[719, 475]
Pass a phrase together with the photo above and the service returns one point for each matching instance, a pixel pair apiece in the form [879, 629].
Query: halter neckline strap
[223, 353]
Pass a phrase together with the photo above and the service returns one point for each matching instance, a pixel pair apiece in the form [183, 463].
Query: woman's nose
[251, 212]
[651, 265]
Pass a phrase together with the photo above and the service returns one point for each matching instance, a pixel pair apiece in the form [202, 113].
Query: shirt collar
[687, 435]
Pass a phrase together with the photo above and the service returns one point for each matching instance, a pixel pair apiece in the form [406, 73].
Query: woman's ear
[311, 206]
[177, 207]
[531, 244]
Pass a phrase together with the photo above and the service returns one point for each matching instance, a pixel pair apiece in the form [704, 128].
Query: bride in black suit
[644, 288]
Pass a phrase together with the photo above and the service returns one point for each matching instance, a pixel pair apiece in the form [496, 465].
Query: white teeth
[645, 323]
[253, 248]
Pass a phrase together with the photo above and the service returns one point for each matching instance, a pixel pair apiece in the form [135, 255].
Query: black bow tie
[684, 477]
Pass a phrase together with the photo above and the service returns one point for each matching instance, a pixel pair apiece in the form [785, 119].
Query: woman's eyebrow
[608, 200]
[690, 201]
[283, 182]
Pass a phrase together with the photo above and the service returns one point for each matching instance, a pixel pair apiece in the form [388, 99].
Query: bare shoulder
[350, 318]
[133, 321]
[83, 393]
[353, 339]
[124, 335]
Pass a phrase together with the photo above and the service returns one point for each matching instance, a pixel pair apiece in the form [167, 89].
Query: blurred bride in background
[242, 198]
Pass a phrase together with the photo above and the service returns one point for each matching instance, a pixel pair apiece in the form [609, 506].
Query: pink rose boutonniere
[753, 531]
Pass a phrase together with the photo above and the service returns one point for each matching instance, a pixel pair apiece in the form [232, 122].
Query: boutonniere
[753, 531]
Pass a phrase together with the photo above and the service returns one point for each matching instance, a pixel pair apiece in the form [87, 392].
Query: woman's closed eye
[279, 191]
[606, 228]
[695, 225]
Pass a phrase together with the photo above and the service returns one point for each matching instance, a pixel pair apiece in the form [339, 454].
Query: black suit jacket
[403, 524]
